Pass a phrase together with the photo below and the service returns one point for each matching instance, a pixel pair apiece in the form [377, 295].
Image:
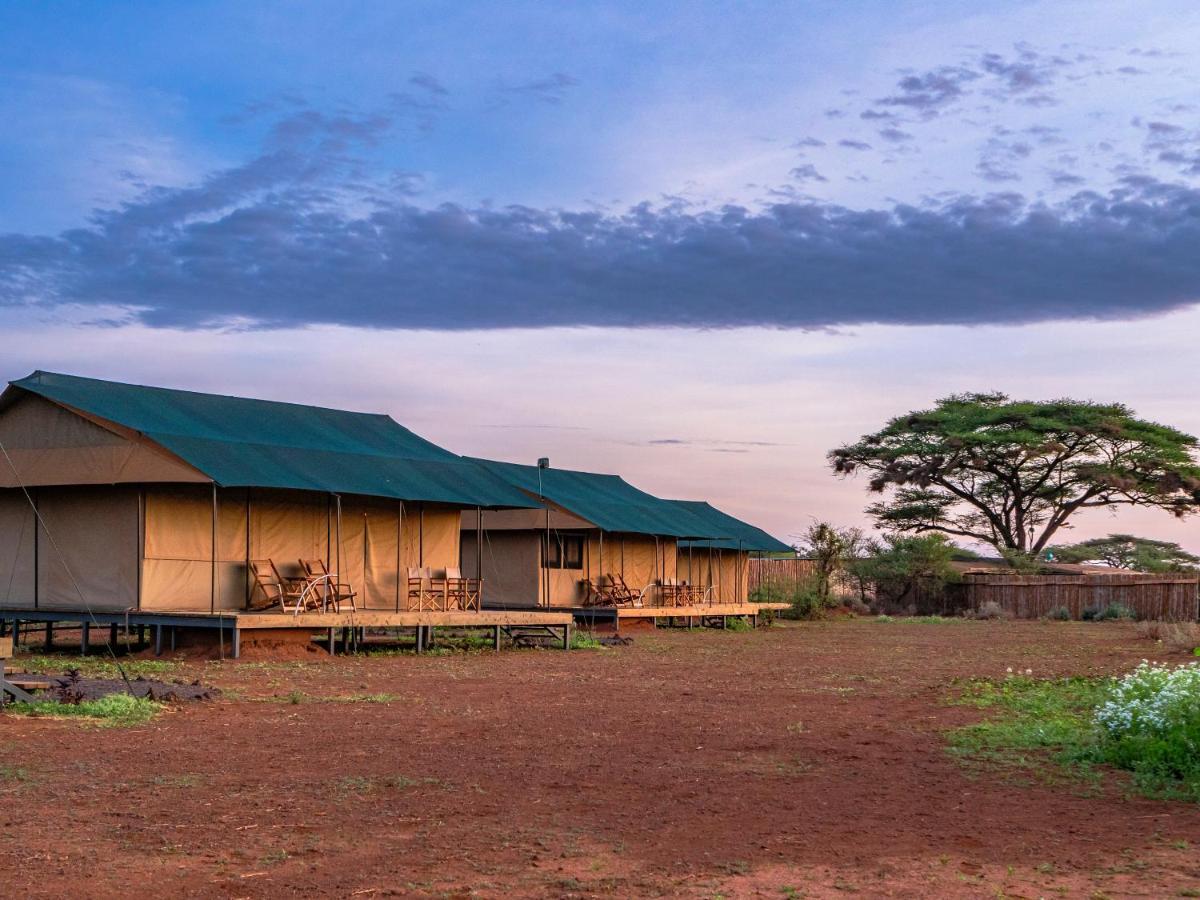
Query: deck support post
[496, 638]
[16, 633]
[332, 647]
[428, 636]
[112, 636]
[158, 642]
[173, 630]
[566, 637]
[346, 639]
[49, 637]
[85, 638]
[141, 640]
[237, 641]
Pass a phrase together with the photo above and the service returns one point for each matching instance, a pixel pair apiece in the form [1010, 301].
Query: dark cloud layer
[279, 242]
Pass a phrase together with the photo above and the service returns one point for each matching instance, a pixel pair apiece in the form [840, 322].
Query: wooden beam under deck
[403, 619]
[696, 612]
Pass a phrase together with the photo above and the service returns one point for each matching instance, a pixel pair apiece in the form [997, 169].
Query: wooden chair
[623, 594]
[287, 593]
[420, 589]
[326, 585]
[462, 593]
[673, 593]
[592, 595]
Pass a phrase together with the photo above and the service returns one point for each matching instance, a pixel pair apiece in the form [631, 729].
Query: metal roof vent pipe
[544, 462]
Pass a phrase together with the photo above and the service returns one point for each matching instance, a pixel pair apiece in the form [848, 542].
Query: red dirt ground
[804, 760]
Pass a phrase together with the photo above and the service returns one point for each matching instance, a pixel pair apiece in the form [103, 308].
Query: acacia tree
[1127, 551]
[1012, 473]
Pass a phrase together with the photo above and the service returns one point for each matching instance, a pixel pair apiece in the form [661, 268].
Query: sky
[697, 244]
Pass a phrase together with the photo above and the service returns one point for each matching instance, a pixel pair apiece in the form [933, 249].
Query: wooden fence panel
[779, 574]
[1168, 597]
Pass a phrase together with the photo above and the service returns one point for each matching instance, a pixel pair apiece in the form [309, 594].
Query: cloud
[929, 92]
[429, 84]
[807, 142]
[545, 90]
[807, 172]
[854, 145]
[1024, 78]
[291, 238]
[895, 135]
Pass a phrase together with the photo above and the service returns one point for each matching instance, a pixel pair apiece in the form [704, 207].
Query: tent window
[563, 551]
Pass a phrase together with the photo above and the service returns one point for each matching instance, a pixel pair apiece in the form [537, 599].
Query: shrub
[857, 607]
[1116, 611]
[1150, 725]
[804, 596]
[1178, 637]
[1090, 613]
[1060, 614]
[991, 610]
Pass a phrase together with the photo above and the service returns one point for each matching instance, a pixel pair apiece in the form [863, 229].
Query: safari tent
[590, 529]
[156, 500]
[722, 566]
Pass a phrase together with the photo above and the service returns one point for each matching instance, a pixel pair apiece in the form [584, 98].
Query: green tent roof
[239, 442]
[742, 535]
[607, 501]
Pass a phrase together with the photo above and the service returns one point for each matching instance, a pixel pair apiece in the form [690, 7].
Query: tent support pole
[400, 544]
[213, 586]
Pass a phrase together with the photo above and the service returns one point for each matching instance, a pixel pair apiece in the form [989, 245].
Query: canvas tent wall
[722, 565]
[123, 480]
[617, 529]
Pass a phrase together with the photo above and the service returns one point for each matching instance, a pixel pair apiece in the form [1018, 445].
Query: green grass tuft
[94, 666]
[585, 640]
[113, 711]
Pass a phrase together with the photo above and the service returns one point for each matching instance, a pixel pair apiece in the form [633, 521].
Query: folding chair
[420, 587]
[462, 593]
[288, 593]
[326, 586]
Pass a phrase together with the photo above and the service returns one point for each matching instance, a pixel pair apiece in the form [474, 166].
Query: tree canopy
[1127, 551]
[1012, 473]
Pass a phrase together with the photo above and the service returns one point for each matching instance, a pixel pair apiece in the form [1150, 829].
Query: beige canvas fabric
[96, 531]
[440, 535]
[18, 531]
[380, 584]
[733, 576]
[177, 572]
[50, 445]
[641, 561]
[511, 566]
[523, 520]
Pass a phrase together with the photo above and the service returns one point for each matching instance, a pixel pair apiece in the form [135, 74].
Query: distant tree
[1127, 551]
[1012, 473]
[900, 563]
[826, 546]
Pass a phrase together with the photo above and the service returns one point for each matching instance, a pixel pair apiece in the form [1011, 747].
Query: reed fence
[1172, 598]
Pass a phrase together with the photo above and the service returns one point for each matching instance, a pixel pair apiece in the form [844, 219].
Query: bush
[991, 610]
[1060, 614]
[1178, 637]
[1115, 611]
[1150, 725]
[803, 596]
[857, 607]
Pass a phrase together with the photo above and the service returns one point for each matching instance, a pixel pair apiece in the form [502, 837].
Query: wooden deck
[372, 618]
[234, 625]
[696, 612]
